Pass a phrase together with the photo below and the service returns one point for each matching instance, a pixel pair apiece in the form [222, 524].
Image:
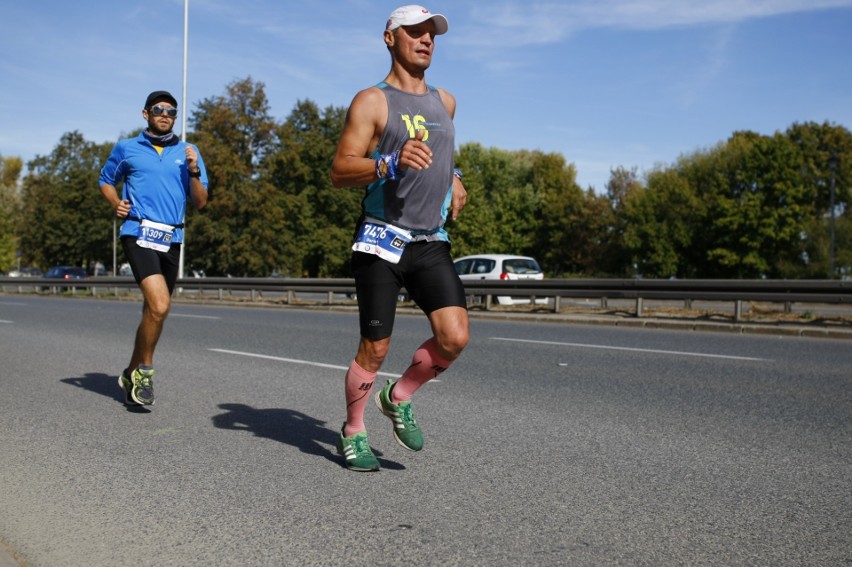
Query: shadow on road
[105, 385]
[291, 427]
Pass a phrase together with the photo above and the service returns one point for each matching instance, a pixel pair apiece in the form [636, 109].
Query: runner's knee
[371, 354]
[452, 343]
[157, 308]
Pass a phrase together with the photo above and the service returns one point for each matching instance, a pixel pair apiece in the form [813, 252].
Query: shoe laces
[144, 381]
[361, 444]
[406, 413]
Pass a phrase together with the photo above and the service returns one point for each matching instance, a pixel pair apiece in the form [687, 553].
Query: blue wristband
[457, 172]
[387, 166]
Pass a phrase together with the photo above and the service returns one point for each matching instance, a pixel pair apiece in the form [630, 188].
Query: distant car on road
[25, 273]
[65, 273]
[500, 267]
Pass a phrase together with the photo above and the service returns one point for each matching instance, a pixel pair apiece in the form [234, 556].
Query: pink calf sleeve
[358, 382]
[425, 365]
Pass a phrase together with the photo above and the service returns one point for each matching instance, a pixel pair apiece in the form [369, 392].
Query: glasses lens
[160, 110]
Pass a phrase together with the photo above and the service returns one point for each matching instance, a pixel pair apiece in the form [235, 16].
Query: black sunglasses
[159, 110]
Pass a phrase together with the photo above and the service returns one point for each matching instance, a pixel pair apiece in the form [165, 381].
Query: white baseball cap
[414, 14]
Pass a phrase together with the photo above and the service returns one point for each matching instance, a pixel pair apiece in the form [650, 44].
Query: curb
[777, 329]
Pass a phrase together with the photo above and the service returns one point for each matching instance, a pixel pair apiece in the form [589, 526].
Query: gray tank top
[420, 200]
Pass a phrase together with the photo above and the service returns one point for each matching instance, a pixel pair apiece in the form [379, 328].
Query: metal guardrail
[785, 292]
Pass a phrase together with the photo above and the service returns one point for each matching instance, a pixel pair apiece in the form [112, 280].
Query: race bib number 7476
[384, 240]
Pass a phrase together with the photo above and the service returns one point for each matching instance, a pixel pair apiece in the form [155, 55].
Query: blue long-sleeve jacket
[157, 185]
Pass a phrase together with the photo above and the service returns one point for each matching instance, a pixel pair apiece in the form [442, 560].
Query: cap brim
[441, 24]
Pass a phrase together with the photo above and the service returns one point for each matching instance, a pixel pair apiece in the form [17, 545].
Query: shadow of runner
[105, 385]
[291, 427]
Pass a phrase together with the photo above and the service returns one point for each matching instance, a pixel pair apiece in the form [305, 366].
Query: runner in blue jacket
[159, 174]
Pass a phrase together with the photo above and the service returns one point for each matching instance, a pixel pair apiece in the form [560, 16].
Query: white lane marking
[680, 353]
[194, 316]
[14, 303]
[5, 321]
[295, 361]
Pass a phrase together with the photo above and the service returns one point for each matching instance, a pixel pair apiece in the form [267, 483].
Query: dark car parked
[64, 273]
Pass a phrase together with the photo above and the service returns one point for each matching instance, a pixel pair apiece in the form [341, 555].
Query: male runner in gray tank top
[399, 142]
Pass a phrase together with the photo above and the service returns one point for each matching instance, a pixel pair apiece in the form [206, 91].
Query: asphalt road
[546, 444]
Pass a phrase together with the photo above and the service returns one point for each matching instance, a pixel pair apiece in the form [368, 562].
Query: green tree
[756, 206]
[563, 220]
[659, 223]
[595, 243]
[622, 186]
[818, 144]
[64, 218]
[242, 229]
[321, 217]
[843, 245]
[503, 202]
[10, 171]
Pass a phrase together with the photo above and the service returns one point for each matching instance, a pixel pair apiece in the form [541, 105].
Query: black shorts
[146, 262]
[425, 269]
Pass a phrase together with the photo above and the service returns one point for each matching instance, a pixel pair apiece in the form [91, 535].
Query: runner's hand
[122, 209]
[191, 158]
[415, 154]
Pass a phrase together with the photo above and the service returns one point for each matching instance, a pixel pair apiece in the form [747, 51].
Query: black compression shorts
[425, 269]
[146, 262]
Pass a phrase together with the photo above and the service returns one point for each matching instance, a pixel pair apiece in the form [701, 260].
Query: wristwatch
[196, 173]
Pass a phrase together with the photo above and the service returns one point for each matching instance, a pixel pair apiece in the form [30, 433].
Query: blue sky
[606, 83]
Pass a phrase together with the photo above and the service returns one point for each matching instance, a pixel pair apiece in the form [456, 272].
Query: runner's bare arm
[365, 120]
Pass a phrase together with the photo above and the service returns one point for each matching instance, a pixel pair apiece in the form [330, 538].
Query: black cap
[157, 96]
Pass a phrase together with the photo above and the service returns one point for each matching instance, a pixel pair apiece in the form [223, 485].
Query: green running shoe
[143, 386]
[405, 429]
[357, 453]
[127, 386]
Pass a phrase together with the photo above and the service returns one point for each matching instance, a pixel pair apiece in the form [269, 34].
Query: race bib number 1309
[155, 235]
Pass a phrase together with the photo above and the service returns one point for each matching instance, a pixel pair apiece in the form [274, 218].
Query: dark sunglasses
[160, 110]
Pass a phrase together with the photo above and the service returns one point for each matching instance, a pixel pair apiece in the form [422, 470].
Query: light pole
[114, 251]
[832, 165]
[183, 115]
